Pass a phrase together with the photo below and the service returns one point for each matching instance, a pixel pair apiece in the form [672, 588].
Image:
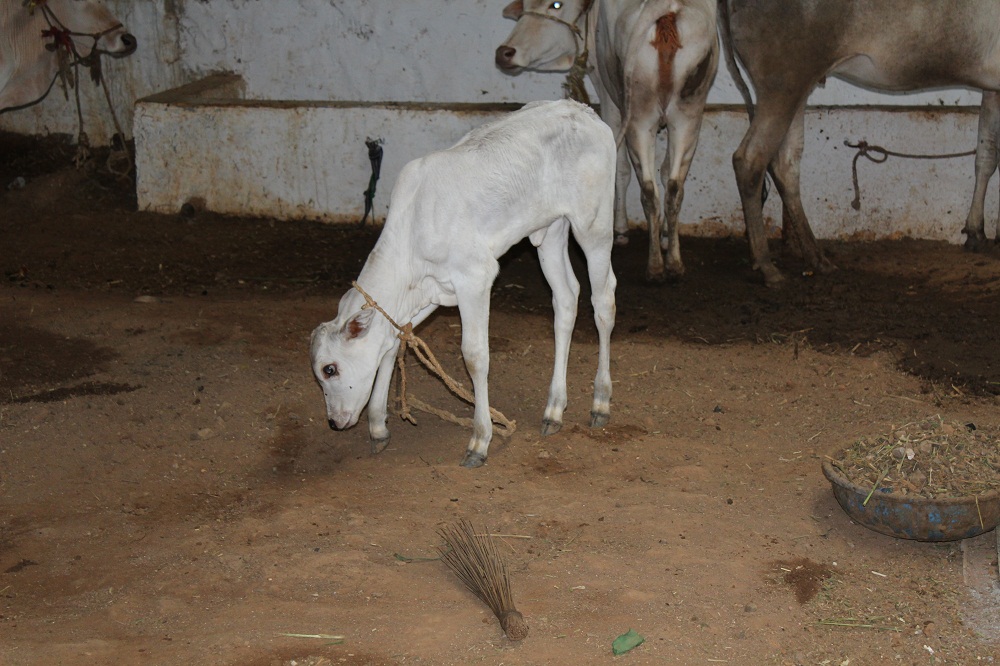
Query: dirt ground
[170, 492]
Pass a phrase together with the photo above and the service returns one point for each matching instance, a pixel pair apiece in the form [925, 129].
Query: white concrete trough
[206, 145]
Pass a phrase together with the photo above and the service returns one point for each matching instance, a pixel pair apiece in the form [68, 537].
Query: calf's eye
[330, 370]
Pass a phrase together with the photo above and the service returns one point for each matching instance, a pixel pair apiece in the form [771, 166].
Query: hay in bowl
[929, 480]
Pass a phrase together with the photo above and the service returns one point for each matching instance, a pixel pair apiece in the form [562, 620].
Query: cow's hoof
[621, 239]
[675, 272]
[822, 264]
[473, 460]
[598, 420]
[378, 445]
[976, 242]
[656, 278]
[773, 278]
[550, 427]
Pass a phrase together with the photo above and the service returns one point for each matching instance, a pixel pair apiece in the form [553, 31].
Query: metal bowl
[912, 517]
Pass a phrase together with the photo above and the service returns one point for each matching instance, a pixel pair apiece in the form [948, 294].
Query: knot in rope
[424, 354]
[878, 155]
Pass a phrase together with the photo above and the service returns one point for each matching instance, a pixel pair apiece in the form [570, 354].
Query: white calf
[539, 173]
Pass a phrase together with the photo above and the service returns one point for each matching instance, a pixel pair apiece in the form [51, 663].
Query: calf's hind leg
[597, 248]
[474, 310]
[553, 254]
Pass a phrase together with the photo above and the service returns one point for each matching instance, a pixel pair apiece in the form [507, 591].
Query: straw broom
[475, 560]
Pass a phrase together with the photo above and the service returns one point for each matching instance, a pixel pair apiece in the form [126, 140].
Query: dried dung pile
[933, 459]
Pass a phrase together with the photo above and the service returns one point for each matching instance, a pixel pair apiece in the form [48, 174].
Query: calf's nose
[333, 425]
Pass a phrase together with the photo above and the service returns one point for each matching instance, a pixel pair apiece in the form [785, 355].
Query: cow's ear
[514, 10]
[358, 325]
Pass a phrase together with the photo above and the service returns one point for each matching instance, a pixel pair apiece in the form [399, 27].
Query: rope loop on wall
[878, 155]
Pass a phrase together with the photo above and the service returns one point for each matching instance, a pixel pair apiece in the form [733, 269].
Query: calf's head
[547, 36]
[345, 354]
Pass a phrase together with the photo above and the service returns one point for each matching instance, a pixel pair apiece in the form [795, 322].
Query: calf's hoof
[550, 427]
[621, 239]
[378, 445]
[473, 460]
[598, 420]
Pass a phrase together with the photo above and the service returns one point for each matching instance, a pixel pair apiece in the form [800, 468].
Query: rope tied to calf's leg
[878, 154]
[422, 351]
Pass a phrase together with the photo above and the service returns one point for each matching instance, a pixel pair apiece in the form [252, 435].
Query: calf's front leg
[378, 404]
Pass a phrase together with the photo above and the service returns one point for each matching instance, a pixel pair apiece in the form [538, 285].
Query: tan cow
[34, 35]
[787, 47]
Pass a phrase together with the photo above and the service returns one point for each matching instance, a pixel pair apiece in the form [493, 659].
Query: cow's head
[346, 353]
[547, 36]
[90, 26]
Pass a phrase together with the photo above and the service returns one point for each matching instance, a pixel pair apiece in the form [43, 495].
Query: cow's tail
[726, 31]
[661, 20]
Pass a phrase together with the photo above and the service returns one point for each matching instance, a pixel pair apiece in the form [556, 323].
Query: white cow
[652, 63]
[31, 38]
[540, 173]
[789, 46]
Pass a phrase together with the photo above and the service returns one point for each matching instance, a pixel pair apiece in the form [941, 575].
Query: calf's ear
[514, 10]
[358, 325]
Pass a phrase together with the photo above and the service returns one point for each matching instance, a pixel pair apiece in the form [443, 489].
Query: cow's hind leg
[623, 176]
[797, 233]
[611, 114]
[683, 126]
[641, 141]
[553, 253]
[987, 157]
[760, 145]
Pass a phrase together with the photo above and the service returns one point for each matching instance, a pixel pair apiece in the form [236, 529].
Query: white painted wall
[342, 50]
[258, 164]
[442, 51]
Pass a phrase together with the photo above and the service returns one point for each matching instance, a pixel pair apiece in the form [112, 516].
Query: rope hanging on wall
[878, 155]
[375, 158]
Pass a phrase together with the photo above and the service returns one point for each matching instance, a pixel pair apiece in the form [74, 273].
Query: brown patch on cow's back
[666, 42]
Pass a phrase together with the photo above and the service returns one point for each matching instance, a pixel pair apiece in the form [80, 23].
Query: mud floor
[170, 492]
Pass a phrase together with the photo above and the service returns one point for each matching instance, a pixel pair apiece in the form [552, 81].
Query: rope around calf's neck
[506, 427]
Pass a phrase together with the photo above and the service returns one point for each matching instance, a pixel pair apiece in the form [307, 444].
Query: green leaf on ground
[626, 642]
